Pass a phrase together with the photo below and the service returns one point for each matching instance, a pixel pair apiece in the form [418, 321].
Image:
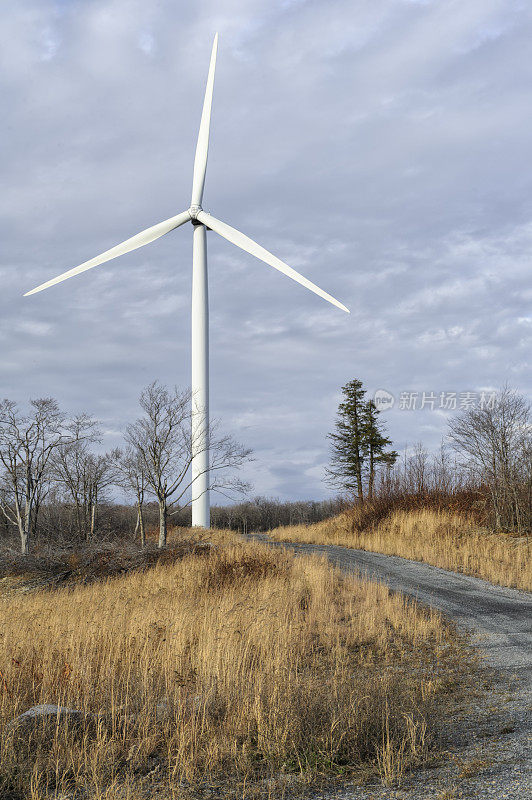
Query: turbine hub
[194, 211]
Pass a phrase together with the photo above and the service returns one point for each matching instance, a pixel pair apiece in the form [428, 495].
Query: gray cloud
[381, 148]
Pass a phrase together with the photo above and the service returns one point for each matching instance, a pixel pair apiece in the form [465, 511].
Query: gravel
[489, 747]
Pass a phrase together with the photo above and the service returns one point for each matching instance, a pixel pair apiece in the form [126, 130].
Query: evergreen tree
[347, 446]
[375, 443]
[358, 444]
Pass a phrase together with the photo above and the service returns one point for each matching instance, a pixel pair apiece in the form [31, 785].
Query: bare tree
[99, 476]
[417, 469]
[131, 476]
[83, 475]
[442, 470]
[27, 444]
[495, 442]
[162, 442]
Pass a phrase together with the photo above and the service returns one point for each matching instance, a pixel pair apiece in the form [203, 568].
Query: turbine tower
[202, 222]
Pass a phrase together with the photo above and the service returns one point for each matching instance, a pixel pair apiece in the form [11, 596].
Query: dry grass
[472, 768]
[441, 538]
[237, 665]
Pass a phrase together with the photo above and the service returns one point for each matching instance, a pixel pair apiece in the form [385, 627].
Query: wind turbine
[202, 222]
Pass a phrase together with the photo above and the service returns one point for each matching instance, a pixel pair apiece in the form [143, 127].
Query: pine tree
[347, 447]
[375, 442]
[358, 444]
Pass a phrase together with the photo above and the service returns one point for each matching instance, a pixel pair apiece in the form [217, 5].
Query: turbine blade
[202, 147]
[247, 244]
[142, 238]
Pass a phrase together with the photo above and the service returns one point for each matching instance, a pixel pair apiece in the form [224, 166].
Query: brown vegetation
[434, 534]
[236, 664]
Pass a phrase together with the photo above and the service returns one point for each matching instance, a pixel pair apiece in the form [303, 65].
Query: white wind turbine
[202, 222]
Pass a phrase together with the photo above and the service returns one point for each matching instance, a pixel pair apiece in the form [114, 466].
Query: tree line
[55, 483]
[48, 459]
[262, 514]
[487, 450]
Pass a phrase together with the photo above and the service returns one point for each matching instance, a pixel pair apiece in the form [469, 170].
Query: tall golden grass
[242, 665]
[440, 538]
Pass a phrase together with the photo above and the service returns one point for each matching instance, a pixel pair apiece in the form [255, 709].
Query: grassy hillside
[234, 665]
[445, 539]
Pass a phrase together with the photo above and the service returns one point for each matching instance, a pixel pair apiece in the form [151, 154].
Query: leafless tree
[421, 472]
[162, 441]
[442, 470]
[495, 442]
[100, 475]
[417, 468]
[83, 475]
[27, 444]
[131, 476]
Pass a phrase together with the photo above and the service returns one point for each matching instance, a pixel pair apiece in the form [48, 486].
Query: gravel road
[490, 751]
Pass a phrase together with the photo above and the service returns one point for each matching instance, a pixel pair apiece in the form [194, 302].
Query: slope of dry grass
[239, 664]
[441, 538]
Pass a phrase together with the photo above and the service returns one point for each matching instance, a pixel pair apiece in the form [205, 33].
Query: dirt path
[491, 754]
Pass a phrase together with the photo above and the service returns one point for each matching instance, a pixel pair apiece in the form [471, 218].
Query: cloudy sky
[381, 147]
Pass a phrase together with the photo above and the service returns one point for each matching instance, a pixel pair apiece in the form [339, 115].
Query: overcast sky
[382, 148]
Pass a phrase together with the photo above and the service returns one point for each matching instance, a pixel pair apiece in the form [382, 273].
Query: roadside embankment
[441, 538]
